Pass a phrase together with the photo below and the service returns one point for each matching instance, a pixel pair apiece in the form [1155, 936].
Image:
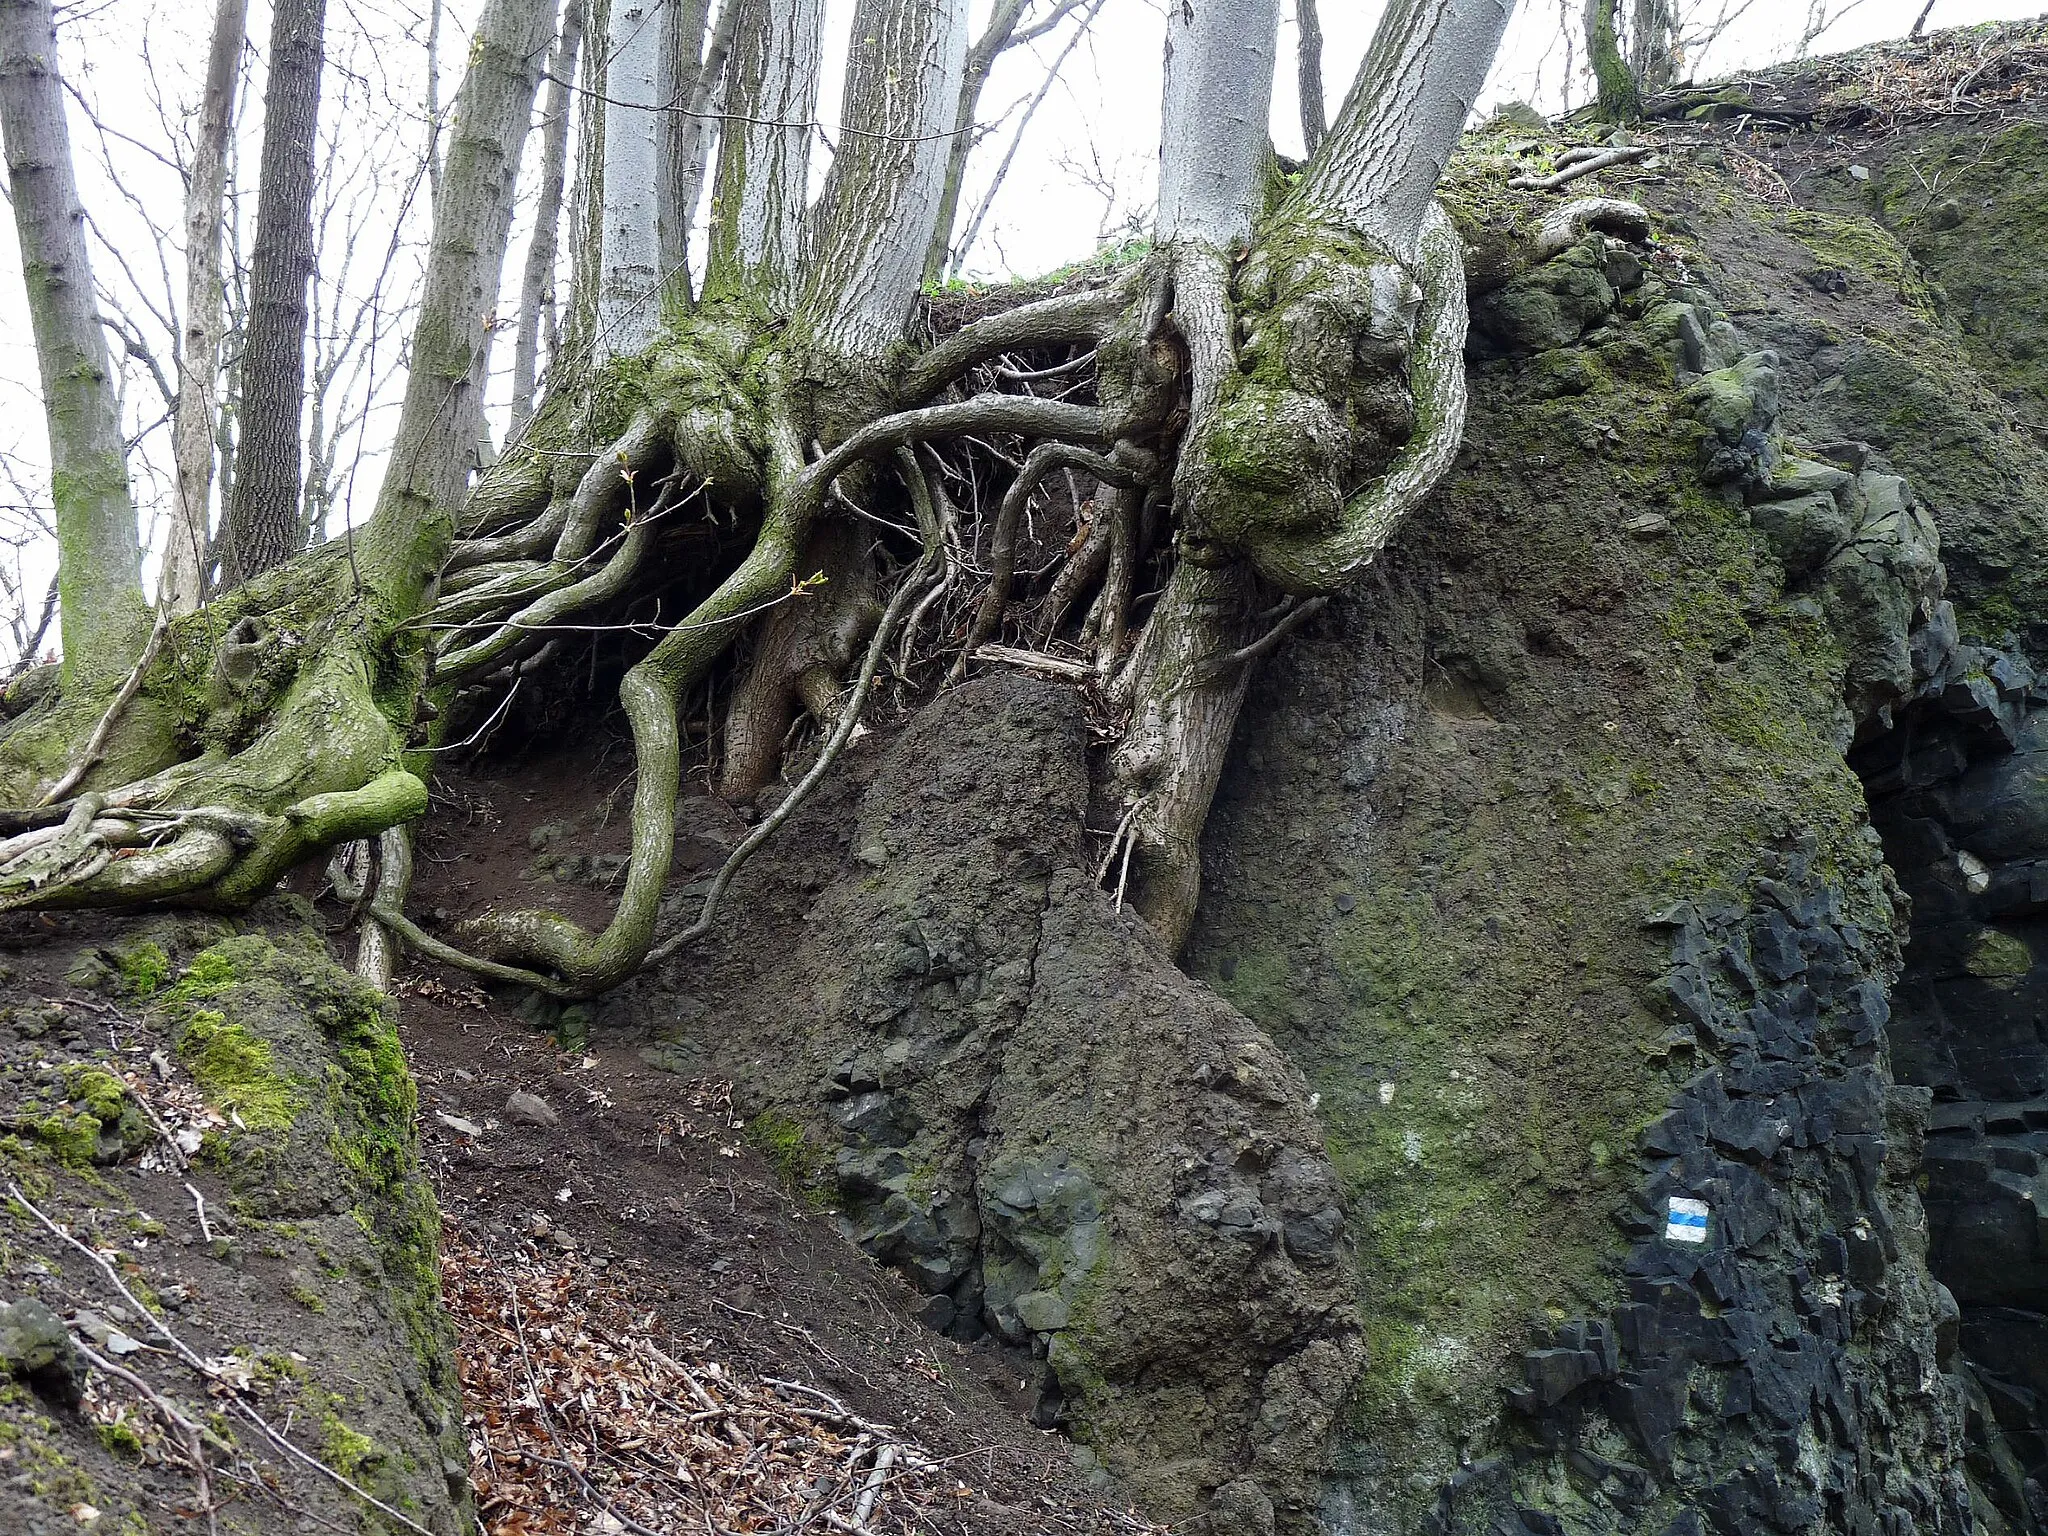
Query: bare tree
[261, 526]
[185, 548]
[1315, 117]
[104, 618]
[537, 280]
[1010, 25]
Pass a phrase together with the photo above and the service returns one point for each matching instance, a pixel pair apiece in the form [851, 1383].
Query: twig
[157, 1124]
[199, 1205]
[1036, 661]
[1295, 617]
[97, 742]
[195, 1436]
[1586, 167]
[884, 1460]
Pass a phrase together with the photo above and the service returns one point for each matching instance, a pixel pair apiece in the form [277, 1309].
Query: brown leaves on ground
[583, 1417]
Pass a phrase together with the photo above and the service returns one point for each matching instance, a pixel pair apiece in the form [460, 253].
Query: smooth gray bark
[105, 621]
[881, 201]
[1219, 92]
[185, 545]
[537, 280]
[628, 297]
[261, 528]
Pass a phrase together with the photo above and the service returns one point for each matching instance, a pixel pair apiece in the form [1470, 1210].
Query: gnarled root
[803, 652]
[1184, 706]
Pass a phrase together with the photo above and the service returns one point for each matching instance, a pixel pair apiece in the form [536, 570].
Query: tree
[1262, 398]
[537, 279]
[261, 528]
[103, 616]
[185, 550]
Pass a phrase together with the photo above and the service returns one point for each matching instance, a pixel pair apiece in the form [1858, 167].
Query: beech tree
[1256, 403]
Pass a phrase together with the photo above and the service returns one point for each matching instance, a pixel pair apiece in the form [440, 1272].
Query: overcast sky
[1081, 171]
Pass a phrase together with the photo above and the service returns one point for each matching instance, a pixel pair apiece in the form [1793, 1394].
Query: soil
[664, 1188]
[665, 1192]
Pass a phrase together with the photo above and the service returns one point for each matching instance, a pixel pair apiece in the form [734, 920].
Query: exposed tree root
[1189, 357]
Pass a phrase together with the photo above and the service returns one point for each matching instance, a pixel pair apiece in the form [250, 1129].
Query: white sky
[1082, 170]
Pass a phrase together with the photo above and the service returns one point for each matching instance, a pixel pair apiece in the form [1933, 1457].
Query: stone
[1804, 530]
[35, 1346]
[1042, 1311]
[524, 1108]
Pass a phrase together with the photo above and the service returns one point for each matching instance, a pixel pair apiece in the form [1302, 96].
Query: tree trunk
[1213, 147]
[422, 489]
[104, 617]
[628, 304]
[682, 65]
[1651, 24]
[537, 282]
[771, 97]
[1315, 117]
[881, 201]
[1401, 120]
[1618, 95]
[185, 545]
[1002, 26]
[261, 527]
[698, 127]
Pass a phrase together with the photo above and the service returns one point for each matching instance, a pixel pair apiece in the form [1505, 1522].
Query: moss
[344, 1448]
[237, 1071]
[1859, 247]
[72, 1139]
[310, 1299]
[1998, 956]
[143, 968]
[120, 1438]
[1973, 209]
[802, 1165]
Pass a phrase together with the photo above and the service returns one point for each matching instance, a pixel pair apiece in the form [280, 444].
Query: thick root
[1184, 706]
[804, 651]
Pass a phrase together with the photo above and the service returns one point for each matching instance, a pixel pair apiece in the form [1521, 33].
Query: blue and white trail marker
[1686, 1221]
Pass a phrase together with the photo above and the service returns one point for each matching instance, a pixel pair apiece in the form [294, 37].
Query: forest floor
[659, 1331]
[640, 1289]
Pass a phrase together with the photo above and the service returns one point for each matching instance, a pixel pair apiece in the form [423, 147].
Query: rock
[547, 832]
[35, 1346]
[458, 1124]
[1550, 307]
[524, 1108]
[1646, 525]
[1804, 530]
[1042, 1311]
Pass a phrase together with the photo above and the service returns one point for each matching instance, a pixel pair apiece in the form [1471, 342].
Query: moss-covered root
[210, 855]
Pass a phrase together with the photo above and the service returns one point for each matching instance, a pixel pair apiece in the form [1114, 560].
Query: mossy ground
[321, 1215]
